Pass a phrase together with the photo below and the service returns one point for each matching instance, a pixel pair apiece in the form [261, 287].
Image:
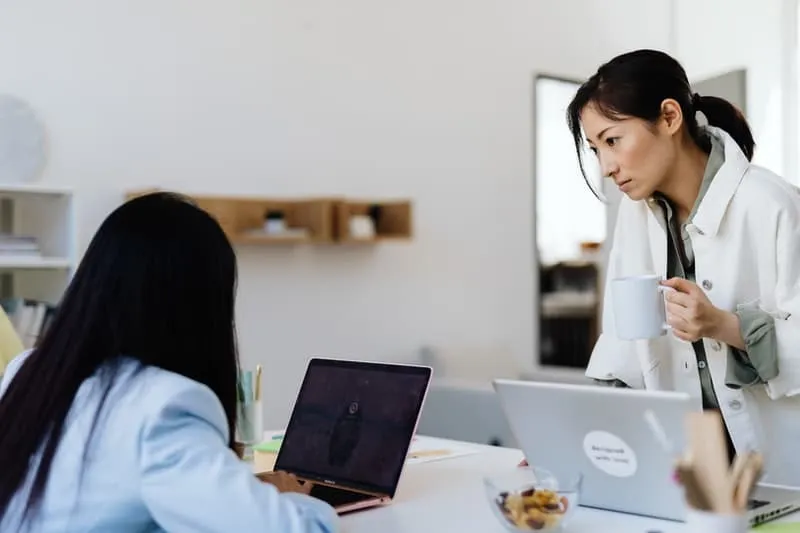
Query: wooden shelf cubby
[326, 220]
[242, 217]
[392, 219]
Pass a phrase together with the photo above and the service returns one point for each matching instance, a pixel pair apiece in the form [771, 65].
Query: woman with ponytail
[122, 418]
[722, 232]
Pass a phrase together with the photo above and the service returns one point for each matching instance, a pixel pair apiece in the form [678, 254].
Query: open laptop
[351, 429]
[602, 433]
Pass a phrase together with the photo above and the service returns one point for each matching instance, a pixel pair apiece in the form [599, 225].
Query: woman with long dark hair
[725, 235]
[122, 418]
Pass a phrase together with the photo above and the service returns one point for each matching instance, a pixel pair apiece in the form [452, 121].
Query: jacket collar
[715, 203]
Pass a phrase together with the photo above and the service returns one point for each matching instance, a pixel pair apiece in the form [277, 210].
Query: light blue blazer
[158, 461]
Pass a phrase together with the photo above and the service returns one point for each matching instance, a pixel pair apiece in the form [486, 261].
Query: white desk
[448, 496]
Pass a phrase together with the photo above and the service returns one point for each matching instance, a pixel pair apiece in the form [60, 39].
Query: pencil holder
[249, 424]
[707, 522]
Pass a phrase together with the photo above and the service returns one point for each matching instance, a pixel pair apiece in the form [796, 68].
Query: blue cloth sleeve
[192, 481]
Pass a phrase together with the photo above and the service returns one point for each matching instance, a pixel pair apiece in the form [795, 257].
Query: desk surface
[448, 495]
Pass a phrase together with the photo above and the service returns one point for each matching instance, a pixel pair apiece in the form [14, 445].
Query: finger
[679, 298]
[678, 313]
[682, 335]
[680, 284]
[682, 329]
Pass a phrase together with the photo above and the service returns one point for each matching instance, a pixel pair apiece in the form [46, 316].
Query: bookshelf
[37, 253]
[311, 220]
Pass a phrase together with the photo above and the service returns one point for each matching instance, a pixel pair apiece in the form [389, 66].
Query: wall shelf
[392, 220]
[313, 220]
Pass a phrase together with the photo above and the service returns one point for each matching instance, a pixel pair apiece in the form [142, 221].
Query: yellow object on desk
[10, 343]
[265, 454]
[263, 461]
[429, 453]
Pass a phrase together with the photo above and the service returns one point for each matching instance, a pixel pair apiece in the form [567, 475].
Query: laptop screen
[353, 422]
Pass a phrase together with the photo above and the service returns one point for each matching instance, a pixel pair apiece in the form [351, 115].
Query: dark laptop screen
[353, 422]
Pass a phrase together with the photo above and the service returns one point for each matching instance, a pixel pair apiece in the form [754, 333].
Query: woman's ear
[671, 117]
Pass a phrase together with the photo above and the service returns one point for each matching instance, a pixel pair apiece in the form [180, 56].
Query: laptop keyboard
[336, 497]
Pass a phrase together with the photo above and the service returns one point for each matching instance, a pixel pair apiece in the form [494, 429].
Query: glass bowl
[532, 499]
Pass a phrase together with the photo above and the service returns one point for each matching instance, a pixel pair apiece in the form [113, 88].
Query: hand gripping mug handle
[663, 289]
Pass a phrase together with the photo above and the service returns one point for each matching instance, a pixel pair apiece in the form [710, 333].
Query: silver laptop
[601, 432]
[351, 429]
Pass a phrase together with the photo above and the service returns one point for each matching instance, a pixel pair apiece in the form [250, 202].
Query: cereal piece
[514, 502]
[552, 507]
[537, 514]
[519, 518]
[552, 520]
[535, 523]
[564, 504]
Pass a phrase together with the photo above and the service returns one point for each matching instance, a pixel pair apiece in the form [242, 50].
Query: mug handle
[664, 289]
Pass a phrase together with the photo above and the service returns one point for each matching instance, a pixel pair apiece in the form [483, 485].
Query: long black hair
[636, 83]
[157, 284]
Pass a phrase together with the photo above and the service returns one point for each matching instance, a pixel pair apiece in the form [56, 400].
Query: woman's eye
[611, 141]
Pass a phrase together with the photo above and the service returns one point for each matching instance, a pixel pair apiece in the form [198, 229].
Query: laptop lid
[353, 422]
[601, 432]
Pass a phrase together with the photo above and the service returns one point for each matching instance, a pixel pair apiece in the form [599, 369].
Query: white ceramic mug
[639, 307]
[705, 522]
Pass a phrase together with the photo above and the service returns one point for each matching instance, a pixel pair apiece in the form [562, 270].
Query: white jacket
[746, 239]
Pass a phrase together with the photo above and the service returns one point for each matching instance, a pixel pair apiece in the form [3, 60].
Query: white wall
[715, 36]
[423, 98]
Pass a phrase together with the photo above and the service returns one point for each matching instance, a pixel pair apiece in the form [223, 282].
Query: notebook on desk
[351, 428]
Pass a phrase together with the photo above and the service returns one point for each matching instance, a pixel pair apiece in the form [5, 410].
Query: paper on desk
[778, 527]
[428, 449]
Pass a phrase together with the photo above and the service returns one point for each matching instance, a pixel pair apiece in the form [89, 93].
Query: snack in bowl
[533, 508]
[532, 499]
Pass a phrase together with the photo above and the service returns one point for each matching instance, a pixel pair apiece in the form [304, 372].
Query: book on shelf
[18, 245]
[30, 318]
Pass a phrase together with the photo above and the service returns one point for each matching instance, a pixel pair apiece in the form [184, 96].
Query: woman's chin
[636, 194]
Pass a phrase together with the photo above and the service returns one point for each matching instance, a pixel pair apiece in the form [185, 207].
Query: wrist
[726, 329]
[719, 322]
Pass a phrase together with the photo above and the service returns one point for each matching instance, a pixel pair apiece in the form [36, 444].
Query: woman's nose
[608, 166]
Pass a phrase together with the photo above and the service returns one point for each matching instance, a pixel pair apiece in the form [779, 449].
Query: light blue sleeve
[191, 480]
[12, 369]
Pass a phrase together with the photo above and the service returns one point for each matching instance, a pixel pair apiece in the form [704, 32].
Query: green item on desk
[778, 527]
[270, 446]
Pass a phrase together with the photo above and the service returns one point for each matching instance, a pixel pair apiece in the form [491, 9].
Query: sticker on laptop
[610, 454]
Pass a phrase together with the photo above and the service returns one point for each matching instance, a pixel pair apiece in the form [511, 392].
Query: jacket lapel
[657, 233]
[712, 208]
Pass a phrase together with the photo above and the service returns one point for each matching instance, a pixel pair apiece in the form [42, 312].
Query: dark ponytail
[725, 116]
[636, 83]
